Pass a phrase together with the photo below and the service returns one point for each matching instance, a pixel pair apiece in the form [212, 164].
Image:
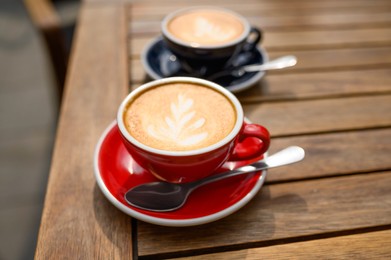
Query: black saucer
[159, 62]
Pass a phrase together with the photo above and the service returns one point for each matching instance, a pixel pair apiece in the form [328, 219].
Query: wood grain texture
[298, 40]
[333, 154]
[293, 21]
[281, 211]
[372, 245]
[77, 220]
[336, 58]
[313, 61]
[146, 10]
[319, 116]
[325, 84]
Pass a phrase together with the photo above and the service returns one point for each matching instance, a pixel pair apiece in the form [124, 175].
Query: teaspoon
[279, 63]
[165, 196]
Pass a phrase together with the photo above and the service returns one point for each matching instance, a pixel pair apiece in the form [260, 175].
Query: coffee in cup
[206, 27]
[208, 39]
[183, 129]
[179, 116]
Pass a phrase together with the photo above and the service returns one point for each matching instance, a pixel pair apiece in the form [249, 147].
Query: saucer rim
[234, 89]
[163, 221]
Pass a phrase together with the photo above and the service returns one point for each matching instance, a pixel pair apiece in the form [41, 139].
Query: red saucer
[116, 172]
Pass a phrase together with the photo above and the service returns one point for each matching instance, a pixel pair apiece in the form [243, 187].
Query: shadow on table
[253, 225]
[115, 225]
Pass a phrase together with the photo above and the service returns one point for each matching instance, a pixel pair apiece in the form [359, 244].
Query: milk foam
[180, 127]
[215, 32]
[206, 27]
[180, 117]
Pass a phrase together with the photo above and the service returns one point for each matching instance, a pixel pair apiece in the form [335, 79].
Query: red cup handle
[246, 148]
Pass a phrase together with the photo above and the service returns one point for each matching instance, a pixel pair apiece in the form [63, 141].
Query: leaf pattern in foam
[205, 28]
[177, 127]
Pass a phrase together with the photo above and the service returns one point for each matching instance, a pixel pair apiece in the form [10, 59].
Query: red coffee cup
[192, 164]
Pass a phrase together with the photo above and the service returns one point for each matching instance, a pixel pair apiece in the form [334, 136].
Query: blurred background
[28, 114]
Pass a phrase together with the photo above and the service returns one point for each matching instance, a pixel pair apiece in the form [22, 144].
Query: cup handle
[247, 150]
[253, 39]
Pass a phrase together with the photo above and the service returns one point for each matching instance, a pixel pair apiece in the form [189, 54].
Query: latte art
[181, 127]
[206, 27]
[214, 32]
[179, 117]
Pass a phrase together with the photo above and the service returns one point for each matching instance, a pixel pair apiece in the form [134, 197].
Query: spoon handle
[279, 63]
[286, 156]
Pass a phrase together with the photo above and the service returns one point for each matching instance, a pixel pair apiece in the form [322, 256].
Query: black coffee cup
[208, 39]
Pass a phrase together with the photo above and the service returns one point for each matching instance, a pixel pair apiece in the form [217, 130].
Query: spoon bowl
[166, 196]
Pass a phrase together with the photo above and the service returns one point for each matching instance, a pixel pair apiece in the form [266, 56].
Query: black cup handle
[251, 45]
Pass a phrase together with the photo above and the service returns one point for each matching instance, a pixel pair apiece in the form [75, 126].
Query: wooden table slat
[288, 41]
[147, 11]
[335, 154]
[326, 84]
[313, 60]
[281, 211]
[77, 220]
[371, 245]
[307, 21]
[319, 116]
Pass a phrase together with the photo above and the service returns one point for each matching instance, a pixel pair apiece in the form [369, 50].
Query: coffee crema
[179, 117]
[206, 27]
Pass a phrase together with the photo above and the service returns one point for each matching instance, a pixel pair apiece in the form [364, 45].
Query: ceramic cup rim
[234, 132]
[172, 38]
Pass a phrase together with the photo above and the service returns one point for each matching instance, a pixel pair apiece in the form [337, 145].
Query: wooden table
[336, 104]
